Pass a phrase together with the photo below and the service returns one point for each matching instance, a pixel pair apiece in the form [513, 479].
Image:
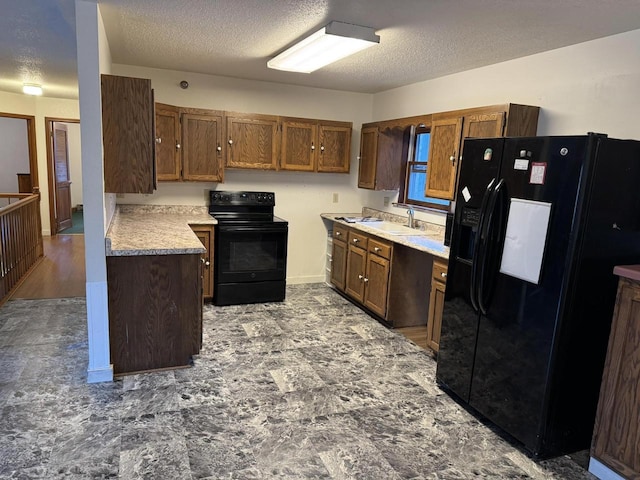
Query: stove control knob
[270, 197]
[216, 196]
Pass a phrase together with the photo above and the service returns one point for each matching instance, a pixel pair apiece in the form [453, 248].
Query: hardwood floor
[417, 335]
[60, 274]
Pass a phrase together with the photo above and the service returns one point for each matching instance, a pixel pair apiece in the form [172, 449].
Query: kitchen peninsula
[155, 265]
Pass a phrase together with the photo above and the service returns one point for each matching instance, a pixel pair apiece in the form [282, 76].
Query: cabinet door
[201, 147]
[339, 264]
[205, 235]
[368, 157]
[617, 427]
[128, 134]
[356, 269]
[376, 284]
[436, 307]
[252, 141]
[299, 145]
[443, 158]
[167, 142]
[335, 147]
[436, 304]
[486, 125]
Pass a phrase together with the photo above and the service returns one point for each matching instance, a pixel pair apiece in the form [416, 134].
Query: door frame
[31, 141]
[48, 122]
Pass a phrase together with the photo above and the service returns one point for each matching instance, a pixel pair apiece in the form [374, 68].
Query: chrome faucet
[410, 218]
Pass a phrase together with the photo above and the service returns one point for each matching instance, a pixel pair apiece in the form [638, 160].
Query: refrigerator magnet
[521, 164]
[538, 171]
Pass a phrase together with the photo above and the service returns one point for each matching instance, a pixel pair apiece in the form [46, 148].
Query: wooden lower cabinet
[436, 304]
[617, 427]
[155, 311]
[339, 264]
[205, 235]
[367, 279]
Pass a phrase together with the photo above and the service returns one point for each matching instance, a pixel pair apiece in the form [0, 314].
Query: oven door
[250, 253]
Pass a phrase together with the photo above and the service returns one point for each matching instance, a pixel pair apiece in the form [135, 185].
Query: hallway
[61, 272]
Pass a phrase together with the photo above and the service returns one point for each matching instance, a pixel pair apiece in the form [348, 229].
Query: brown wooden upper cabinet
[381, 161]
[444, 149]
[189, 144]
[368, 157]
[168, 143]
[315, 145]
[202, 153]
[128, 135]
[383, 151]
[252, 141]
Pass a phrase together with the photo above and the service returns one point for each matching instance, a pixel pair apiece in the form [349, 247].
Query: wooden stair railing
[20, 239]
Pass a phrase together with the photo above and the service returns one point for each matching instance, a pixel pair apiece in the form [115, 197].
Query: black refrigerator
[539, 225]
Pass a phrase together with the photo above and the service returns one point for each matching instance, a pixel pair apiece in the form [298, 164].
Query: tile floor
[311, 388]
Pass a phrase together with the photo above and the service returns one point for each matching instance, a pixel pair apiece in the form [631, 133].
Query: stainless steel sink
[392, 228]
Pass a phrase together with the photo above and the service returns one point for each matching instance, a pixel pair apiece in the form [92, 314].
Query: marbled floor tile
[361, 460]
[296, 378]
[286, 451]
[216, 443]
[83, 471]
[12, 363]
[166, 427]
[144, 401]
[23, 448]
[262, 327]
[158, 460]
[202, 392]
[89, 443]
[149, 381]
[310, 403]
[253, 384]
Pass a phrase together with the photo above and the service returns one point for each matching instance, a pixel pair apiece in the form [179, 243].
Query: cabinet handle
[360, 277]
[158, 140]
[321, 148]
[376, 249]
[230, 142]
[178, 147]
[443, 275]
[207, 263]
[453, 158]
[338, 234]
[219, 148]
[366, 279]
[355, 240]
[313, 147]
[202, 259]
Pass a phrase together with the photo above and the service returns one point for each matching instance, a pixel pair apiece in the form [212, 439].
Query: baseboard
[100, 375]
[306, 279]
[601, 471]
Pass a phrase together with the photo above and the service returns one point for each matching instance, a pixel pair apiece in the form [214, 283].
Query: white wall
[589, 87]
[14, 152]
[40, 107]
[300, 197]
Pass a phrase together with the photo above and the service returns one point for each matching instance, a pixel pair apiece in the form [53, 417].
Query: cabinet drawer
[439, 271]
[340, 232]
[358, 239]
[380, 248]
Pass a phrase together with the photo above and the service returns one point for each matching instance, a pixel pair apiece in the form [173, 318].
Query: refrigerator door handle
[489, 243]
[475, 259]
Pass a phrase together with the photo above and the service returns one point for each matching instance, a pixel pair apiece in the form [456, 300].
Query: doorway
[62, 168]
[20, 175]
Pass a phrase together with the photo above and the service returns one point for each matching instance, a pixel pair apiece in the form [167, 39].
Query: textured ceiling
[419, 39]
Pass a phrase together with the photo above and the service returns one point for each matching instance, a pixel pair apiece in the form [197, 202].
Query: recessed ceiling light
[32, 89]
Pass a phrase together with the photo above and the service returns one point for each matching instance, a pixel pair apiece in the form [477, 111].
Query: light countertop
[429, 240]
[155, 230]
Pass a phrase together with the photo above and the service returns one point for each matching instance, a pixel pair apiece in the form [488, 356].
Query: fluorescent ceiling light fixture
[32, 89]
[331, 43]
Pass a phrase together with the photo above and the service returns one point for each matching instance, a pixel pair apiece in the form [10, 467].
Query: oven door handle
[251, 229]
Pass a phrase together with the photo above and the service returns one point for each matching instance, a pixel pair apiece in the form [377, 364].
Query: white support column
[91, 44]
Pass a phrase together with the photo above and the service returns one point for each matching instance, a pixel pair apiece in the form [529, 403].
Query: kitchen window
[416, 173]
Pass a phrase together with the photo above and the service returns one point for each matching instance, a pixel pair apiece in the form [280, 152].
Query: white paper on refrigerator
[525, 239]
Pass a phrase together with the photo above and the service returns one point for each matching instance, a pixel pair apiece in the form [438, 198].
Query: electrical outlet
[335, 198]
[386, 201]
